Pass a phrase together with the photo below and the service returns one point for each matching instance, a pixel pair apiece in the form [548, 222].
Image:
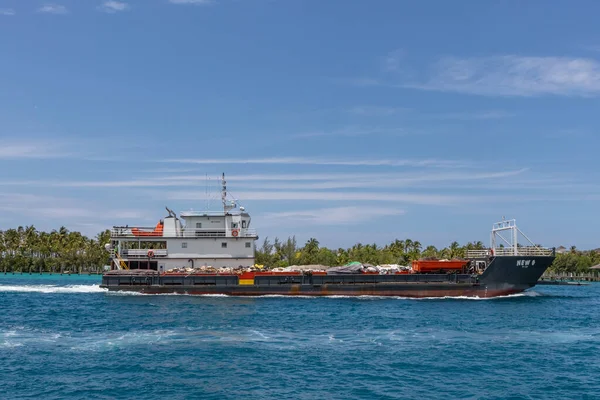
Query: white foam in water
[52, 289]
[98, 289]
[363, 297]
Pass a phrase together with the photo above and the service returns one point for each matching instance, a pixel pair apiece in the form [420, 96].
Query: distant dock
[568, 278]
[565, 283]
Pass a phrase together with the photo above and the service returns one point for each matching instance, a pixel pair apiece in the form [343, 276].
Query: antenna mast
[226, 206]
[224, 192]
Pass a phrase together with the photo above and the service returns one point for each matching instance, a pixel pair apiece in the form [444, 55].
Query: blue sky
[351, 121]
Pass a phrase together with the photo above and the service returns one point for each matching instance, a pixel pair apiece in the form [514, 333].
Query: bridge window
[248, 244]
[224, 245]
[184, 245]
[244, 224]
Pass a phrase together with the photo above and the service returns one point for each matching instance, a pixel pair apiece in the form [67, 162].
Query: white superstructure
[204, 238]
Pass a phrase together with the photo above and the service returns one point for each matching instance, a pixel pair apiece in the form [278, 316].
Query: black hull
[504, 275]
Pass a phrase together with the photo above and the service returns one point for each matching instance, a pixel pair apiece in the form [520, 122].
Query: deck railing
[133, 253]
[150, 232]
[505, 251]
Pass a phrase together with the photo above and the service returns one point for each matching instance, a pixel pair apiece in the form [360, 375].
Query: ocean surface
[62, 337]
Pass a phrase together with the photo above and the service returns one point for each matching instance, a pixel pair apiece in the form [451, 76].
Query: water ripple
[69, 339]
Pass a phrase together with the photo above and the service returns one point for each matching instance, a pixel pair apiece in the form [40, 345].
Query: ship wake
[52, 289]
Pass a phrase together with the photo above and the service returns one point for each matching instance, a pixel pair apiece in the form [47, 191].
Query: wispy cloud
[45, 207]
[197, 2]
[425, 199]
[350, 132]
[335, 215]
[322, 161]
[51, 8]
[476, 115]
[377, 111]
[32, 149]
[594, 47]
[392, 61]
[112, 7]
[513, 75]
[289, 181]
[9, 12]
[359, 81]
[434, 180]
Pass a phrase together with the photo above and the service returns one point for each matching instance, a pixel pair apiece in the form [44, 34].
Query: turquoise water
[65, 338]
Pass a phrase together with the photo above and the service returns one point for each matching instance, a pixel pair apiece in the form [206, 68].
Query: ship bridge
[221, 238]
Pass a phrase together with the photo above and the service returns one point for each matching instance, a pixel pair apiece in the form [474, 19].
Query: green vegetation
[574, 260]
[403, 252]
[28, 250]
[285, 253]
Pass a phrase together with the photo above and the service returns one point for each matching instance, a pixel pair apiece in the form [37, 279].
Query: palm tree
[430, 252]
[455, 250]
[310, 251]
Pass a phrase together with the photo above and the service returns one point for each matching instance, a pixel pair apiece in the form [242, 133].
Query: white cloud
[335, 215]
[53, 9]
[7, 11]
[112, 7]
[512, 75]
[322, 161]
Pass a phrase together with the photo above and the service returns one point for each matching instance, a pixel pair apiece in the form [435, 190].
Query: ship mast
[224, 192]
[227, 206]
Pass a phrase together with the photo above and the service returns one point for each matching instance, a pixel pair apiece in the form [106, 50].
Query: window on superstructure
[198, 225]
[243, 224]
[234, 225]
[224, 245]
[248, 244]
[184, 245]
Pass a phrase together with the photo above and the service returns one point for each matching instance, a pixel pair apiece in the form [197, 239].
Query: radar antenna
[171, 212]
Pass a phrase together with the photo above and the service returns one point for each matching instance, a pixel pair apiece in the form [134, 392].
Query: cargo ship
[212, 253]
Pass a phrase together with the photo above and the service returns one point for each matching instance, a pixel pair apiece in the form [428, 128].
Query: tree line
[26, 249]
[285, 253]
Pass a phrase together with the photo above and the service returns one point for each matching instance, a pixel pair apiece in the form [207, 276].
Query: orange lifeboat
[158, 231]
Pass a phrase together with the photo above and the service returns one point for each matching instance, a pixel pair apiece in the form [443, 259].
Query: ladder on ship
[122, 262]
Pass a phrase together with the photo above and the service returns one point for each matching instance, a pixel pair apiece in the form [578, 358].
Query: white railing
[145, 252]
[148, 233]
[505, 251]
[478, 253]
[188, 232]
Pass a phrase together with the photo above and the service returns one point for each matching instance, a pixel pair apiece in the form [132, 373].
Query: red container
[438, 265]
